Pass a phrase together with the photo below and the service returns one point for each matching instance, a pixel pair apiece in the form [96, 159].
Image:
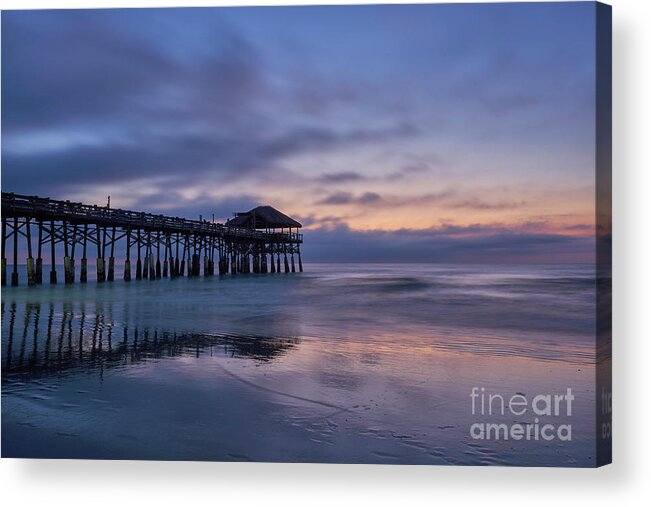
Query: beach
[355, 363]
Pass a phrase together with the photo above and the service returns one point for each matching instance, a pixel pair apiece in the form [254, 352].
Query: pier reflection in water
[39, 339]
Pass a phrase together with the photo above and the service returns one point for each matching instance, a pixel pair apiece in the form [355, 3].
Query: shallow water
[342, 363]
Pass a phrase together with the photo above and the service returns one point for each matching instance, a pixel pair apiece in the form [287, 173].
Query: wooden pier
[262, 240]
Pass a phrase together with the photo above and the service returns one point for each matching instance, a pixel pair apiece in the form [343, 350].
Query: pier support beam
[101, 275]
[101, 263]
[168, 247]
[14, 274]
[31, 274]
[53, 271]
[158, 265]
[196, 265]
[139, 261]
[152, 267]
[127, 261]
[145, 264]
[68, 270]
[38, 271]
[38, 274]
[111, 263]
[127, 270]
[177, 261]
[68, 277]
[83, 275]
[111, 269]
[300, 263]
[293, 266]
[4, 251]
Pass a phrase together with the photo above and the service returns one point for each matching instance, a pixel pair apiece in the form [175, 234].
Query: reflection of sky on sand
[369, 385]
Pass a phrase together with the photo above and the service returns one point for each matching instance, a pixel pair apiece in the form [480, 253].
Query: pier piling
[111, 264]
[83, 274]
[39, 260]
[14, 274]
[158, 265]
[4, 251]
[31, 274]
[53, 271]
[127, 261]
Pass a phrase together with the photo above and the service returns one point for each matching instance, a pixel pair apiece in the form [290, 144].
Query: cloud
[348, 198]
[413, 169]
[479, 204]
[73, 67]
[474, 244]
[89, 100]
[176, 156]
[451, 199]
[340, 177]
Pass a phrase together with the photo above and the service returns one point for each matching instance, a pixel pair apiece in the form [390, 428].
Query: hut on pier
[264, 218]
[282, 240]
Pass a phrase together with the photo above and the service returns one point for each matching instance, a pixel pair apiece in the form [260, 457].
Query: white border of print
[105, 483]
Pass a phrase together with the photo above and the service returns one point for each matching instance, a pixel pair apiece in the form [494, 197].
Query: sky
[443, 133]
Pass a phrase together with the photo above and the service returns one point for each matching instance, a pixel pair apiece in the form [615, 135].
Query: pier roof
[263, 217]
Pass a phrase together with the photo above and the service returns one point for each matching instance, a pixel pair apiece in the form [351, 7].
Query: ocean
[352, 363]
